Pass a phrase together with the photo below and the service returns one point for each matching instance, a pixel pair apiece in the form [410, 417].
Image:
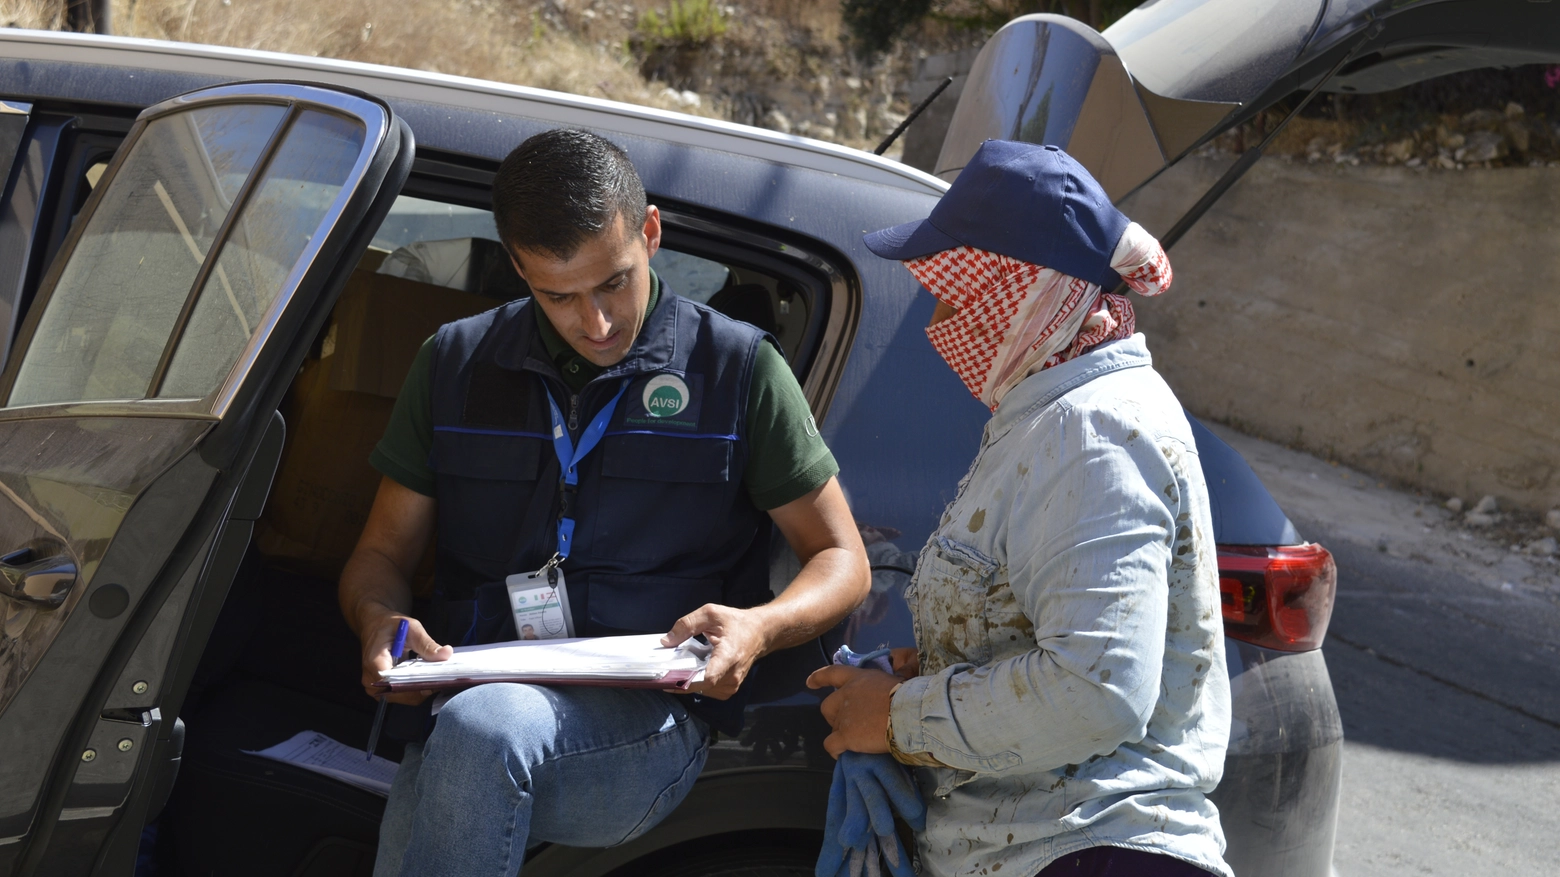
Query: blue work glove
[867, 790]
[834, 855]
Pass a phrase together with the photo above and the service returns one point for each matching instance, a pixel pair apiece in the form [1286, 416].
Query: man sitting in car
[635, 442]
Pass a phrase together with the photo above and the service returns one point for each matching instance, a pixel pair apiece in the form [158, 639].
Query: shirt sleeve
[402, 453]
[1093, 580]
[787, 458]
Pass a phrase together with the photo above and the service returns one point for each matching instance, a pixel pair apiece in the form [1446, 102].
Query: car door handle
[43, 583]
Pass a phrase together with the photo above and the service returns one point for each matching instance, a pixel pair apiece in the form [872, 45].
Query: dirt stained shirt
[1074, 692]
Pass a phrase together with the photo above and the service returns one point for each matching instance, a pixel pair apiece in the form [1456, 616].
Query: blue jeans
[510, 766]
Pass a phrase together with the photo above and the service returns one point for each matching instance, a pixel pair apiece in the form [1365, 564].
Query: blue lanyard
[569, 458]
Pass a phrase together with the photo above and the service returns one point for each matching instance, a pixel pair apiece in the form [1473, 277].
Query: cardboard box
[336, 412]
[381, 321]
[324, 486]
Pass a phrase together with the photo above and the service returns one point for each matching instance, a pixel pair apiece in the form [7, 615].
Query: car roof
[160, 64]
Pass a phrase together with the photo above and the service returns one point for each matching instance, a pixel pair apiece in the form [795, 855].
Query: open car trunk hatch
[1172, 74]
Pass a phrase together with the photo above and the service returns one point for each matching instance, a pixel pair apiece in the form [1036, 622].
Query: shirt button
[574, 368]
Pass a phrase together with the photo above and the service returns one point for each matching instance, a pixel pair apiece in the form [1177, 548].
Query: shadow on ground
[1425, 661]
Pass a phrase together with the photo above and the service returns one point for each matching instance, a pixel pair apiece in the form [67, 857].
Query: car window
[457, 247]
[419, 219]
[690, 276]
[120, 294]
[431, 242]
[288, 206]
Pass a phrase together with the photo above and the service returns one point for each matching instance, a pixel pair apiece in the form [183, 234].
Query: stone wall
[923, 139]
[1404, 322]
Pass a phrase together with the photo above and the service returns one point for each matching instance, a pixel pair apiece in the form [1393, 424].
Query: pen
[397, 649]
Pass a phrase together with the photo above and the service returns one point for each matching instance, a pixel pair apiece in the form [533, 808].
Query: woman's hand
[858, 708]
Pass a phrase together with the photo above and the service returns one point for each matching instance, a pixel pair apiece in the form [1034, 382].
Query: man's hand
[858, 708]
[835, 578]
[378, 634]
[374, 593]
[906, 662]
[738, 637]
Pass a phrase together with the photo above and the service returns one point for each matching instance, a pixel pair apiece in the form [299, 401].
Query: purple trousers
[1119, 862]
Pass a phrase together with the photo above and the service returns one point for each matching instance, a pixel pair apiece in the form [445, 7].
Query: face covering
[1015, 318]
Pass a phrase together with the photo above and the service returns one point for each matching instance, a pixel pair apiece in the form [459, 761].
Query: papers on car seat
[615, 661]
[314, 751]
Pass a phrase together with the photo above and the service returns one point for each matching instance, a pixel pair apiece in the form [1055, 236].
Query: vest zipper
[574, 412]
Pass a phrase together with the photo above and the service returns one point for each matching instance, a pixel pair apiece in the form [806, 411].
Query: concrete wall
[1406, 323]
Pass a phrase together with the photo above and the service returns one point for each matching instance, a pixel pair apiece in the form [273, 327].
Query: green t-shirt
[787, 459]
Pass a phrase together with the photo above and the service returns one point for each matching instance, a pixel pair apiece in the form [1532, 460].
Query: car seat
[748, 302]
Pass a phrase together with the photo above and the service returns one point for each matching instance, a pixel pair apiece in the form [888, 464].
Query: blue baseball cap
[1028, 202]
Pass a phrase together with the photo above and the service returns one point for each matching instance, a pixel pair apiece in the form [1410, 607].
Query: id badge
[540, 603]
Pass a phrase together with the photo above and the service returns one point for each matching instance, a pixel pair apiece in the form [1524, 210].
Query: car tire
[742, 862]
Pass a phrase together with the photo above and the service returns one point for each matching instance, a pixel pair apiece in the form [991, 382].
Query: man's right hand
[378, 635]
[375, 591]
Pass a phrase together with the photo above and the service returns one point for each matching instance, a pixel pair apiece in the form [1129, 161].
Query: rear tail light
[1277, 597]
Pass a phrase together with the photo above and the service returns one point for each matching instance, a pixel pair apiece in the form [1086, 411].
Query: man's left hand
[858, 708]
[739, 639]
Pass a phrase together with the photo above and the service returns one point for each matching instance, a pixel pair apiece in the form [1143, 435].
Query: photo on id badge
[540, 603]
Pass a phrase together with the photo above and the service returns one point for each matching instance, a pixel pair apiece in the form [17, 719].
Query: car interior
[436, 258]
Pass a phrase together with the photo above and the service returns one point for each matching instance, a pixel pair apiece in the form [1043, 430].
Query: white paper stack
[314, 751]
[617, 661]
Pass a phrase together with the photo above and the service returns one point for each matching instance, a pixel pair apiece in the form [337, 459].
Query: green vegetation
[684, 23]
[875, 24]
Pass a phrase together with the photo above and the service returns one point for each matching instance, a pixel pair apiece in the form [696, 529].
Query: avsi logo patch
[665, 396]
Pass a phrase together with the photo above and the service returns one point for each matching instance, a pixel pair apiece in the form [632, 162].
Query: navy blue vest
[664, 521]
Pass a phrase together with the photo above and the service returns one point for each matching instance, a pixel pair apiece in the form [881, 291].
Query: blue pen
[397, 649]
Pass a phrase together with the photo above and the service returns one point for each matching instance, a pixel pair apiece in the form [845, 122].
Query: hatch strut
[920, 108]
[1251, 155]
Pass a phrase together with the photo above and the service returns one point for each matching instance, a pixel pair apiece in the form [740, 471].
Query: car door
[139, 434]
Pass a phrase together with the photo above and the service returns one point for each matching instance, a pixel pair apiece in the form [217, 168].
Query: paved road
[1444, 652]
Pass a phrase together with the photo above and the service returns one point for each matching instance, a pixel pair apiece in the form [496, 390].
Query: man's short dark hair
[562, 187]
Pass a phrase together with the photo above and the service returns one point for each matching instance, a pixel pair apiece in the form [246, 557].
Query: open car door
[139, 434]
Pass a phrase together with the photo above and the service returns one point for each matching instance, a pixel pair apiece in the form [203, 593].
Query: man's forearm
[372, 586]
[830, 586]
[835, 576]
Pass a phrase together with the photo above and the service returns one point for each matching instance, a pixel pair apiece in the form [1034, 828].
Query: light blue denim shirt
[1072, 647]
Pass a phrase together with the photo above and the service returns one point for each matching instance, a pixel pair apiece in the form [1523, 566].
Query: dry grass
[36, 14]
[515, 42]
[820, 17]
[777, 60]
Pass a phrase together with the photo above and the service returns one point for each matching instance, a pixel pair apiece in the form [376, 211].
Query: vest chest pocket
[666, 458]
[949, 597]
[486, 481]
[663, 499]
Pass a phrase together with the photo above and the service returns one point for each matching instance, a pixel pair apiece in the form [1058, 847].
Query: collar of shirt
[1047, 385]
[576, 370]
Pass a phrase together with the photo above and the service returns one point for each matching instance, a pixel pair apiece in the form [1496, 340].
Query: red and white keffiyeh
[1015, 318]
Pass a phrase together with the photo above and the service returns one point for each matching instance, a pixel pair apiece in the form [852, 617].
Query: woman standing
[1067, 706]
